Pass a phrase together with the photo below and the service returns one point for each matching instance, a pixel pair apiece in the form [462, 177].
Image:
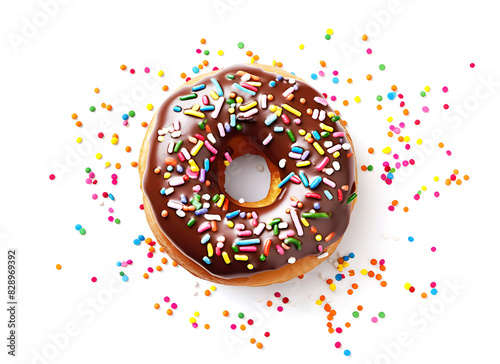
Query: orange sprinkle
[259, 346]
[345, 102]
[118, 166]
[360, 308]
[157, 305]
[183, 75]
[249, 53]
[79, 123]
[269, 303]
[158, 268]
[109, 107]
[145, 275]
[301, 276]
[371, 274]
[322, 63]
[382, 268]
[383, 283]
[371, 150]
[405, 209]
[394, 87]
[144, 124]
[379, 107]
[206, 326]
[58, 266]
[363, 168]
[203, 40]
[355, 286]
[329, 317]
[401, 138]
[165, 88]
[350, 292]
[152, 249]
[327, 307]
[128, 149]
[373, 261]
[174, 263]
[205, 62]
[466, 177]
[455, 171]
[333, 312]
[96, 90]
[406, 112]
[347, 324]
[256, 57]
[252, 341]
[447, 182]
[329, 324]
[378, 277]
[170, 312]
[364, 37]
[423, 295]
[279, 64]
[394, 202]
[458, 182]
[148, 240]
[331, 330]
[164, 260]
[440, 145]
[322, 297]
[123, 67]
[369, 77]
[349, 80]
[103, 105]
[134, 164]
[243, 327]
[200, 66]
[74, 116]
[225, 313]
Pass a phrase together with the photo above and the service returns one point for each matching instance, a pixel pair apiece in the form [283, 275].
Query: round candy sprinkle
[241, 45]
[94, 279]
[347, 352]
[381, 314]
[58, 266]
[381, 67]
[374, 320]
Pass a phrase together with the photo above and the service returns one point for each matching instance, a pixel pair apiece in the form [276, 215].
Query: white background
[79, 45]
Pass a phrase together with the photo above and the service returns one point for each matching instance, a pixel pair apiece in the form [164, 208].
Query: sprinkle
[292, 110]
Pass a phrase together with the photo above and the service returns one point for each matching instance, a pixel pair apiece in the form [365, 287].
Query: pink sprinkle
[433, 249]
[433, 284]
[374, 320]
[88, 181]
[448, 152]
[166, 299]
[150, 255]
[472, 65]
[129, 261]
[233, 327]
[94, 279]
[277, 294]
[445, 89]
[173, 305]
[114, 182]
[402, 125]
[398, 165]
[338, 344]
[147, 70]
[114, 176]
[405, 163]
[335, 73]
[195, 325]
[416, 197]
[391, 208]
[280, 309]
[111, 210]
[266, 334]
[396, 156]
[100, 135]
[369, 51]
[94, 196]
[52, 177]
[381, 261]
[150, 270]
[124, 264]
[198, 51]
[333, 98]
[111, 218]
[338, 330]
[417, 122]
[321, 73]
[446, 106]
[132, 71]
[92, 175]
[407, 146]
[425, 109]
[436, 194]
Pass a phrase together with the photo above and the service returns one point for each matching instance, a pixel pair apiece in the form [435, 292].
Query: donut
[217, 117]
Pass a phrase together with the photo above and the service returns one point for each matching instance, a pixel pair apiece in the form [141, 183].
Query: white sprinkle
[291, 260]
[322, 115]
[176, 134]
[315, 114]
[206, 205]
[212, 217]
[324, 255]
[282, 163]
[206, 196]
[283, 225]
[346, 146]
[180, 213]
[170, 147]
[328, 144]
[385, 236]
[211, 138]
[246, 77]
[268, 139]
[329, 171]
[321, 101]
[169, 191]
[336, 165]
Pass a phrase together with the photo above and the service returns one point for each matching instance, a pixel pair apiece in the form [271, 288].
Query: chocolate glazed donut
[217, 117]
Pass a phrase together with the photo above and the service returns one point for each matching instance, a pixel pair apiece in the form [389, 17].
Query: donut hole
[248, 178]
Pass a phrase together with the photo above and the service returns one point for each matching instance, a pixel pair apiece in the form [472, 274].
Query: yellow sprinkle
[419, 141]
[226, 163]
[166, 175]
[272, 108]
[308, 136]
[303, 164]
[79, 140]
[364, 272]
[318, 237]
[318, 148]
[149, 107]
[292, 110]
[198, 114]
[427, 88]
[253, 83]
[326, 127]
[214, 95]
[407, 139]
[221, 201]
[336, 154]
[107, 164]
[114, 140]
[161, 138]
[249, 266]
[213, 288]
[241, 257]
[194, 166]
[386, 150]
[225, 256]
[329, 31]
[390, 119]
[345, 264]
[160, 73]
[278, 111]
[230, 224]
[231, 110]
[273, 63]
[304, 222]
[239, 99]
[220, 53]
[192, 320]
[436, 178]
[248, 106]
[333, 287]
[210, 250]
[330, 114]
[196, 148]
[98, 155]
[424, 188]
[301, 46]
[302, 132]
[319, 302]
[196, 107]
[340, 268]
[407, 285]
[252, 60]
[357, 99]
[196, 314]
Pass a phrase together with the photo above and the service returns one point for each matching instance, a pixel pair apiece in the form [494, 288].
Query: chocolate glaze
[186, 238]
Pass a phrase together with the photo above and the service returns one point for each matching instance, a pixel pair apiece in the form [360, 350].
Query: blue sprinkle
[346, 258]
[207, 260]
[232, 120]
[241, 88]
[270, 119]
[177, 109]
[196, 69]
[205, 238]
[272, 83]
[434, 291]
[304, 179]
[162, 191]
[286, 179]
[247, 242]
[297, 150]
[206, 164]
[316, 135]
[119, 264]
[328, 194]
[207, 108]
[316, 182]
[390, 175]
[314, 76]
[141, 237]
[351, 255]
[184, 199]
[218, 89]
[125, 278]
[232, 214]
[180, 169]
[243, 214]
[125, 116]
[111, 197]
[338, 277]
[335, 80]
[170, 168]
[78, 227]
[198, 87]
[227, 127]
[391, 95]
[347, 352]
[279, 78]
[317, 205]
[411, 239]
[278, 129]
[137, 241]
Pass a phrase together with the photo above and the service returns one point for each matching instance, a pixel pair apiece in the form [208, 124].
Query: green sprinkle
[201, 125]
[422, 93]
[379, 98]
[291, 136]
[381, 67]
[241, 315]
[92, 108]
[293, 241]
[215, 198]
[336, 118]
[177, 146]
[238, 127]
[230, 76]
[131, 113]
[197, 197]
[206, 52]
[370, 167]
[262, 257]
[276, 230]
[328, 36]
[325, 134]
[191, 222]
[352, 197]
[240, 45]
[122, 274]
[88, 170]
[392, 170]
[230, 101]
[275, 221]
[189, 97]
[235, 248]
[355, 314]
[315, 215]
[82, 231]
[381, 314]
[197, 205]
[117, 221]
